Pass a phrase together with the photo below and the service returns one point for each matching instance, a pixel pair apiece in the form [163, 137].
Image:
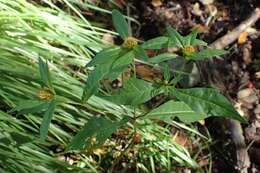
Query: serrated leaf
[47, 120]
[162, 57]
[208, 53]
[178, 109]
[140, 53]
[45, 74]
[176, 38]
[105, 56]
[99, 128]
[156, 43]
[120, 24]
[134, 92]
[207, 101]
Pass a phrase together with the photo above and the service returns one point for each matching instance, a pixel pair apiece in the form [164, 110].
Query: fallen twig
[234, 34]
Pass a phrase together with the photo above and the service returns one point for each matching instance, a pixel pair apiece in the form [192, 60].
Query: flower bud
[45, 94]
[130, 43]
[188, 51]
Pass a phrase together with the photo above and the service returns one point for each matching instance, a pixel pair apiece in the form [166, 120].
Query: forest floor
[239, 70]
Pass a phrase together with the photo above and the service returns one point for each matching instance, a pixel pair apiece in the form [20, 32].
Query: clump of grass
[30, 31]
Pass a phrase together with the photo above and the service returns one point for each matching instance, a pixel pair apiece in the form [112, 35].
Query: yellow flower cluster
[188, 51]
[45, 94]
[130, 43]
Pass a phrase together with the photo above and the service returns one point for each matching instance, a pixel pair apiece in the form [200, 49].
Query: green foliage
[120, 24]
[64, 41]
[207, 53]
[95, 132]
[156, 43]
[47, 120]
[194, 104]
[134, 92]
[29, 31]
[177, 109]
[162, 57]
[207, 101]
[45, 74]
[176, 38]
[30, 106]
[140, 53]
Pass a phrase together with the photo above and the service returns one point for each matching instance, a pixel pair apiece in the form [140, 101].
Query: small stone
[108, 39]
[245, 93]
[257, 75]
[196, 9]
[251, 99]
[256, 124]
[206, 2]
[156, 3]
[257, 110]
[248, 98]
[61, 158]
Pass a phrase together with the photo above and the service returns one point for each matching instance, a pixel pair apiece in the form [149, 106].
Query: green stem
[179, 75]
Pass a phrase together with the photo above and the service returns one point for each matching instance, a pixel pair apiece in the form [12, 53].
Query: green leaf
[156, 43]
[92, 84]
[199, 43]
[207, 53]
[30, 106]
[189, 39]
[134, 92]
[45, 74]
[123, 60]
[162, 57]
[113, 67]
[120, 24]
[105, 56]
[172, 109]
[120, 64]
[207, 101]
[27, 104]
[99, 128]
[166, 72]
[20, 138]
[176, 38]
[47, 120]
[140, 53]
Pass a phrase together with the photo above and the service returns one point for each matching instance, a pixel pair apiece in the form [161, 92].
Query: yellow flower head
[130, 43]
[45, 94]
[188, 51]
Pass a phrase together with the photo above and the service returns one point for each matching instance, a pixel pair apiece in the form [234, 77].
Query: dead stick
[234, 34]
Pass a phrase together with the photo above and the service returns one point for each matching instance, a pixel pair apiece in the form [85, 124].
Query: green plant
[189, 105]
[59, 88]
